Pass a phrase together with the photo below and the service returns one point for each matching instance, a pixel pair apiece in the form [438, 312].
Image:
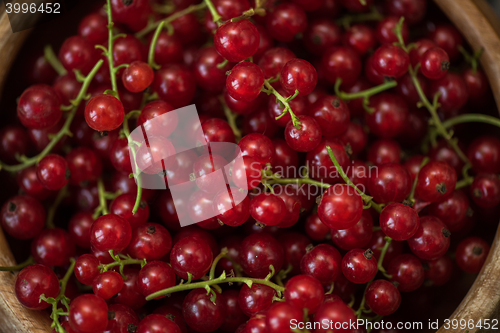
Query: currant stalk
[269, 89]
[231, 119]
[215, 15]
[167, 22]
[56, 312]
[133, 146]
[52, 210]
[102, 209]
[365, 94]
[424, 101]
[52, 59]
[154, 41]
[347, 20]
[414, 185]
[127, 260]
[82, 95]
[26, 263]
[471, 118]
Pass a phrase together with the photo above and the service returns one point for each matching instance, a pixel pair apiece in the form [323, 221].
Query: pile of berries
[357, 185]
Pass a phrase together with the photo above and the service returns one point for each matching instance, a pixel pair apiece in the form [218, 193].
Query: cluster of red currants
[350, 183]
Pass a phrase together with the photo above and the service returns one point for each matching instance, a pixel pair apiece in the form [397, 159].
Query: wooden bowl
[479, 25]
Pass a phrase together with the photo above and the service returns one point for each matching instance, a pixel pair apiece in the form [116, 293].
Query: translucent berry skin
[359, 266]
[84, 165]
[123, 205]
[341, 62]
[337, 312]
[191, 255]
[451, 210]
[332, 115]
[104, 113]
[137, 76]
[155, 323]
[407, 271]
[232, 207]
[129, 295]
[305, 138]
[485, 190]
[53, 172]
[88, 313]
[356, 236]
[432, 239]
[123, 317]
[206, 71]
[341, 207]
[434, 63]
[436, 180]
[281, 314]
[245, 81]
[256, 299]
[453, 91]
[13, 140]
[258, 251]
[484, 154]
[389, 116]
[237, 41]
[28, 182]
[267, 209]
[107, 284]
[152, 157]
[150, 241]
[286, 21]
[155, 276]
[175, 84]
[390, 60]
[298, 74]
[320, 34]
[161, 126]
[94, 28]
[471, 254]
[23, 217]
[77, 53]
[382, 297]
[110, 232]
[257, 146]
[412, 10]
[391, 183]
[200, 313]
[246, 173]
[385, 30]
[323, 262]
[86, 268]
[39, 107]
[399, 221]
[32, 282]
[52, 247]
[304, 291]
[273, 60]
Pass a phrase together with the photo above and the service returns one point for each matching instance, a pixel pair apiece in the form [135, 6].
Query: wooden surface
[477, 22]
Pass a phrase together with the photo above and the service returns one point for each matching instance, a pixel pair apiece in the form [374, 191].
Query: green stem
[414, 186]
[471, 118]
[222, 254]
[170, 19]
[366, 198]
[347, 20]
[52, 211]
[64, 130]
[103, 206]
[380, 267]
[464, 183]
[221, 279]
[231, 119]
[298, 181]
[365, 93]
[138, 178]
[151, 59]
[215, 15]
[111, 40]
[269, 89]
[27, 262]
[53, 60]
[122, 263]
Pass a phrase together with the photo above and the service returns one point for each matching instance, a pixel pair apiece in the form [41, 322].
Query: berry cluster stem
[347, 20]
[102, 209]
[231, 119]
[365, 94]
[215, 14]
[269, 89]
[122, 262]
[26, 263]
[132, 147]
[52, 59]
[109, 52]
[64, 130]
[471, 118]
[167, 22]
[414, 185]
[52, 210]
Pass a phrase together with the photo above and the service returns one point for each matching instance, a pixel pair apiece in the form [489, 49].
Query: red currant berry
[175, 84]
[305, 138]
[434, 63]
[385, 151]
[399, 221]
[281, 314]
[191, 255]
[245, 81]
[154, 156]
[23, 217]
[257, 146]
[320, 165]
[104, 113]
[256, 299]
[298, 75]
[485, 190]
[484, 154]
[273, 60]
[94, 28]
[389, 116]
[28, 182]
[453, 92]
[320, 35]
[407, 271]
[333, 312]
[88, 313]
[232, 206]
[451, 210]
[110, 232]
[86, 268]
[391, 183]
[246, 173]
[341, 207]
[157, 119]
[477, 85]
[360, 37]
[258, 252]
[436, 180]
[286, 21]
[471, 254]
[201, 313]
[155, 323]
[267, 209]
[341, 62]
[137, 76]
[412, 10]
[431, 240]
[34, 281]
[447, 37]
[53, 172]
[155, 276]
[332, 115]
[77, 53]
[52, 247]
[382, 297]
[13, 141]
[237, 41]
[386, 30]
[322, 262]
[168, 49]
[107, 284]
[129, 295]
[391, 61]
[123, 205]
[421, 46]
[39, 107]
[206, 71]
[356, 236]
[121, 318]
[150, 241]
[304, 291]
[359, 266]
[79, 229]
[275, 108]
